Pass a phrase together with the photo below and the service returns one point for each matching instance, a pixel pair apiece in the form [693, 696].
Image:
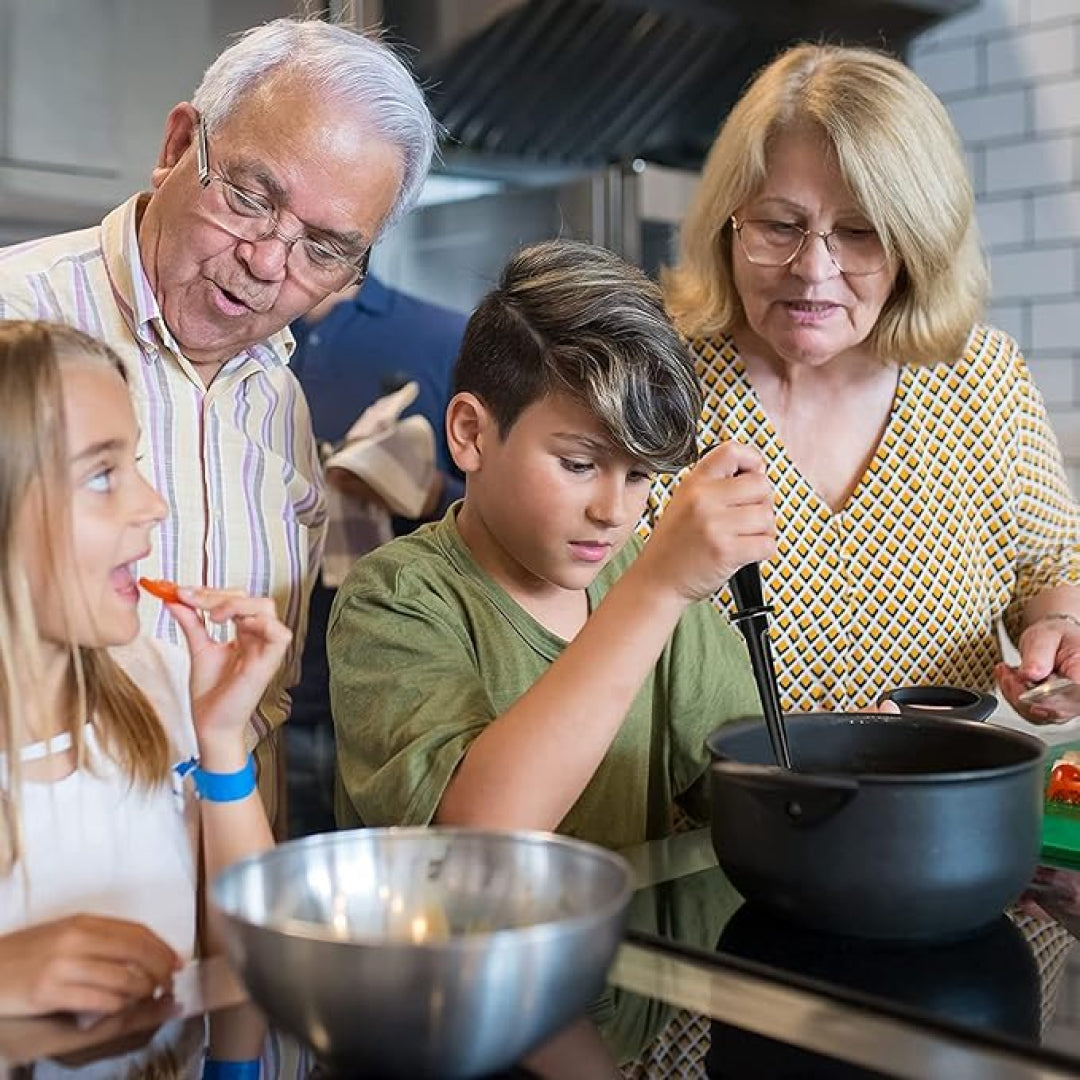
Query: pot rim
[1036, 746]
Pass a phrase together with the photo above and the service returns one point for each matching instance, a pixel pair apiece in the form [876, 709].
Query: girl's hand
[228, 679]
[82, 963]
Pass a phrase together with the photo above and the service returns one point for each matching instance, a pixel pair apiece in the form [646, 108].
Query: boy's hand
[720, 518]
[82, 963]
[229, 678]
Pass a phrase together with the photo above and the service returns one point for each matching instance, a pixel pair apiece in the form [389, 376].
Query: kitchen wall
[1009, 73]
[451, 253]
[84, 91]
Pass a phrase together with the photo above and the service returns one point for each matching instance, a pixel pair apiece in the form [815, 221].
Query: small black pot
[896, 828]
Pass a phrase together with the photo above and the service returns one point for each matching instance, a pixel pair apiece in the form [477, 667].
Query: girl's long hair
[34, 479]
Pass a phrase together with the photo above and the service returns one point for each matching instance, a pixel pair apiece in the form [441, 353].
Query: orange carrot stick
[163, 590]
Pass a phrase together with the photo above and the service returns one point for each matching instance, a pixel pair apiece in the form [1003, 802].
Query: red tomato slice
[163, 590]
[1064, 783]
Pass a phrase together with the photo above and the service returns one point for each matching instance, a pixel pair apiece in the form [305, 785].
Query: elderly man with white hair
[303, 142]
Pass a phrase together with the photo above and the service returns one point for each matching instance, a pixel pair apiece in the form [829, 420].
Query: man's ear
[469, 429]
[180, 128]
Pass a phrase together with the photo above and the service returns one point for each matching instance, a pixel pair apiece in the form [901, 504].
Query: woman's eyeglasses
[779, 243]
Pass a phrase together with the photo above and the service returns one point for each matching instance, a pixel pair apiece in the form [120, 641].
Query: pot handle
[803, 799]
[949, 702]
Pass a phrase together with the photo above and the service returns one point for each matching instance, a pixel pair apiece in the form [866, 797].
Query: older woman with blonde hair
[831, 284]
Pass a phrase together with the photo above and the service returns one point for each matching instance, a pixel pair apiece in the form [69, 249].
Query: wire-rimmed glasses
[778, 243]
[249, 216]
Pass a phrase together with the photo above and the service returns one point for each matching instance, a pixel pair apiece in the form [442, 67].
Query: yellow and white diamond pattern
[963, 514]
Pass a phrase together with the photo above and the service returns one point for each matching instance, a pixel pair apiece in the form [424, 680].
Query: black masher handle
[752, 619]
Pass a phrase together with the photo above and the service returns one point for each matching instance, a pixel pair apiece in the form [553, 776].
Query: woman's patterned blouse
[963, 514]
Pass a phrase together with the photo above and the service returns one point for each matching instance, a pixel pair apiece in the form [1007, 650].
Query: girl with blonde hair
[106, 739]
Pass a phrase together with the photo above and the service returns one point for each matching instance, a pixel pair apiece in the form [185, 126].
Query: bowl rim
[300, 928]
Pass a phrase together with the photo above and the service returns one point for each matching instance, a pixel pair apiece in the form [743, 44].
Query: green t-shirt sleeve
[709, 683]
[407, 702]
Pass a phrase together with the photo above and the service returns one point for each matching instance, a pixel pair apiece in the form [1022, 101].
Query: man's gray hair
[360, 71]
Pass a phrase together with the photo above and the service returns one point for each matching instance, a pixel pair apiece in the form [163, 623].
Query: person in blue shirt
[351, 350]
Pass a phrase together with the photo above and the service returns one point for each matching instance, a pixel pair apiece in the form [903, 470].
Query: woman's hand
[228, 679]
[886, 706]
[1049, 646]
[82, 963]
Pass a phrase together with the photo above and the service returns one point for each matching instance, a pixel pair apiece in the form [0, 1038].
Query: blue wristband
[225, 786]
[230, 1070]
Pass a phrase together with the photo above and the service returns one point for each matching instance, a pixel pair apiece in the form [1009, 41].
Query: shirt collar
[374, 297]
[137, 302]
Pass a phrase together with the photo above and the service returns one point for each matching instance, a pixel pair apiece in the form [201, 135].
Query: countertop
[664, 963]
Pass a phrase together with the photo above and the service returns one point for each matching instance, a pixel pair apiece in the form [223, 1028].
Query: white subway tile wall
[1027, 164]
[1009, 74]
[1026, 168]
[985, 18]
[990, 118]
[1056, 217]
[1011, 59]
[1004, 222]
[1054, 324]
[1027, 274]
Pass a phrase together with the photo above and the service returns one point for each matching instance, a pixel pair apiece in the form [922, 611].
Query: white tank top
[95, 844]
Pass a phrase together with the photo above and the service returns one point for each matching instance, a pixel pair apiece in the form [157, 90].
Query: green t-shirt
[426, 649]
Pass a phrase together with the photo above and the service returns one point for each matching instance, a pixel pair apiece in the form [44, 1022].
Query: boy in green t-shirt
[526, 662]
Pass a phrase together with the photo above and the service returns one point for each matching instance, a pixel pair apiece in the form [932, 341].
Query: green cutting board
[1061, 823]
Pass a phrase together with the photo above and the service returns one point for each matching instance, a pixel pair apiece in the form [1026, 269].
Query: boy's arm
[407, 700]
[527, 768]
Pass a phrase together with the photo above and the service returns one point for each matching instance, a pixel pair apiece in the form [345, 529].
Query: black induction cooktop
[1002, 983]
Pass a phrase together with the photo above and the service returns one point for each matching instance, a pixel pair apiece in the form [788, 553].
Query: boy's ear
[469, 427]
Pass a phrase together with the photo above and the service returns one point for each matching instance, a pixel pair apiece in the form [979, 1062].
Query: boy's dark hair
[572, 318]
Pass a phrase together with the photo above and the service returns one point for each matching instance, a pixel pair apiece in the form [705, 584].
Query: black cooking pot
[906, 828]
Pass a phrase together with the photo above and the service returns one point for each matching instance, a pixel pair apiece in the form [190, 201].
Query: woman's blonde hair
[34, 465]
[902, 159]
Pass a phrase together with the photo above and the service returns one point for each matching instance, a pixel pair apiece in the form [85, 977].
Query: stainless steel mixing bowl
[427, 951]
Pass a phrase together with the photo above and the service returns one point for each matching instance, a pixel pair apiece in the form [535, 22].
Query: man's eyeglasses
[778, 243]
[249, 216]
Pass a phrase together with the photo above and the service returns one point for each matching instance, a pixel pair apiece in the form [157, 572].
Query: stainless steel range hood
[581, 83]
[592, 117]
